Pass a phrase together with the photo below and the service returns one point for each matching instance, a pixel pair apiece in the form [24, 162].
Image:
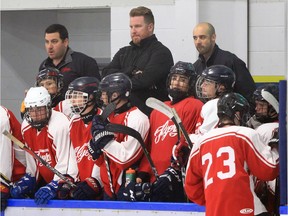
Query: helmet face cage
[119, 83]
[202, 92]
[37, 107]
[84, 92]
[38, 117]
[79, 100]
[231, 103]
[51, 73]
[221, 76]
[267, 108]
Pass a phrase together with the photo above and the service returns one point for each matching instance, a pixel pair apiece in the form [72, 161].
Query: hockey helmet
[37, 107]
[216, 75]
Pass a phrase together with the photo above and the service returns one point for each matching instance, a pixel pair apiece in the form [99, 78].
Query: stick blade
[5, 132]
[108, 110]
[160, 106]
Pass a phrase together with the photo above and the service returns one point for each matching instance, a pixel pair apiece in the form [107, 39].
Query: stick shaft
[37, 157]
[170, 113]
[118, 128]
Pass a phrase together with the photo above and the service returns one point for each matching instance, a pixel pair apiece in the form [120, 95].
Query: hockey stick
[4, 179]
[105, 114]
[170, 113]
[118, 128]
[37, 157]
[108, 110]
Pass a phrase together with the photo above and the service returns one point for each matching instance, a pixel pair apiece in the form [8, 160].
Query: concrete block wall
[100, 28]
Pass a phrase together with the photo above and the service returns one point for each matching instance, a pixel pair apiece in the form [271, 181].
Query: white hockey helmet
[37, 97]
[38, 107]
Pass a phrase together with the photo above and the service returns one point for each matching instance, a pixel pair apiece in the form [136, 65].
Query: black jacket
[153, 59]
[74, 65]
[244, 82]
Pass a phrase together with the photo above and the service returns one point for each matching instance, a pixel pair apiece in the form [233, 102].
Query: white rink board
[27, 207]
[12, 211]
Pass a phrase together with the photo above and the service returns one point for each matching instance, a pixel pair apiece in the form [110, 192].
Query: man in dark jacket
[210, 54]
[146, 61]
[70, 63]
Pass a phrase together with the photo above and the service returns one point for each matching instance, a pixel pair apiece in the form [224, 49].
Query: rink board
[27, 207]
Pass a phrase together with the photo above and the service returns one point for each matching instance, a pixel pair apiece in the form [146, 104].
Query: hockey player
[12, 166]
[46, 132]
[114, 153]
[266, 123]
[266, 110]
[163, 136]
[52, 80]
[213, 82]
[221, 160]
[84, 97]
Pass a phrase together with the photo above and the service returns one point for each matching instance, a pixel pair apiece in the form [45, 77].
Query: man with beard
[146, 61]
[210, 54]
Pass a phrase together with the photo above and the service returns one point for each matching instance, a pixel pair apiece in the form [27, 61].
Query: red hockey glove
[181, 153]
[64, 188]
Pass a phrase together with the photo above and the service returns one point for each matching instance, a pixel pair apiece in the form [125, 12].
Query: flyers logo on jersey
[45, 155]
[81, 152]
[246, 211]
[162, 131]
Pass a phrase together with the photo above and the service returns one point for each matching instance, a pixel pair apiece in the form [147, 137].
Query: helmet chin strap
[115, 99]
[238, 118]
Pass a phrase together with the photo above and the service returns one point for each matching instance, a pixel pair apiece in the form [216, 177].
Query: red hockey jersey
[217, 173]
[123, 151]
[12, 157]
[163, 133]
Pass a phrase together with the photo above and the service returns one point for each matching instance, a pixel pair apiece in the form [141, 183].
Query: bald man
[210, 54]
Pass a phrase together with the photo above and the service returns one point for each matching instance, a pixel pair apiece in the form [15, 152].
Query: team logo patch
[246, 211]
[65, 69]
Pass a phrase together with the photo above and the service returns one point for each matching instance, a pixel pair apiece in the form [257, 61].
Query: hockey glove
[98, 125]
[181, 153]
[98, 142]
[274, 141]
[24, 187]
[168, 187]
[89, 189]
[5, 194]
[144, 176]
[46, 193]
[64, 188]
[137, 192]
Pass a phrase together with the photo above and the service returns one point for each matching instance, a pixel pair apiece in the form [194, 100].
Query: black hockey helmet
[186, 69]
[50, 73]
[268, 93]
[117, 82]
[230, 103]
[219, 74]
[84, 87]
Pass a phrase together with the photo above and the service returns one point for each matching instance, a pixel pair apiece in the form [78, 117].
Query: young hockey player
[12, 166]
[46, 132]
[84, 96]
[114, 153]
[222, 159]
[164, 135]
[266, 123]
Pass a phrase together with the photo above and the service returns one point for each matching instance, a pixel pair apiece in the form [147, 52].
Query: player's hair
[61, 29]
[143, 11]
